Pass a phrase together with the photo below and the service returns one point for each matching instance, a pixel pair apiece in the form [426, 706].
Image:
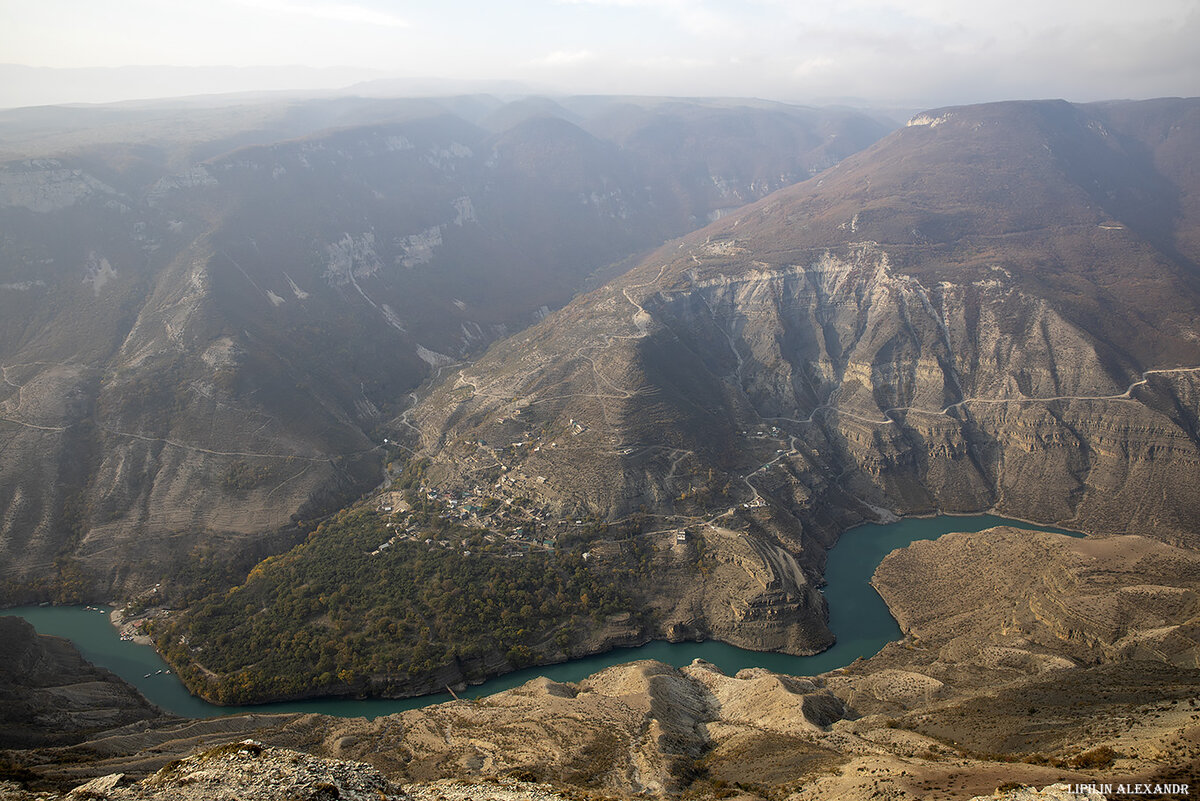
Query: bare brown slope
[1089, 207]
[977, 312]
[1092, 600]
[207, 317]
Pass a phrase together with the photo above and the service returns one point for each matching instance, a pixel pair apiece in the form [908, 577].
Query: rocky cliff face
[206, 319]
[969, 315]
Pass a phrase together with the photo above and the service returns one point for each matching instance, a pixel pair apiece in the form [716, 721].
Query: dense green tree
[335, 612]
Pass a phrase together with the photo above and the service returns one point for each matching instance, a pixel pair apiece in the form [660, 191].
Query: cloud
[672, 63]
[337, 12]
[691, 16]
[624, 3]
[813, 66]
[565, 58]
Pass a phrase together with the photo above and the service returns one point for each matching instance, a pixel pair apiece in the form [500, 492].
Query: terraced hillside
[976, 313]
[992, 308]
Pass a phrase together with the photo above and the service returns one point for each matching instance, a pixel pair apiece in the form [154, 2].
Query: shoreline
[991, 511]
[126, 628]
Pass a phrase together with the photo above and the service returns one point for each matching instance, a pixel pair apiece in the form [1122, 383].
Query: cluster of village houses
[500, 528]
[503, 526]
[486, 526]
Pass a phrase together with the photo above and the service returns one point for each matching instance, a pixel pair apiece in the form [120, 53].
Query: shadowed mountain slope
[206, 314]
[974, 314]
[52, 696]
[993, 307]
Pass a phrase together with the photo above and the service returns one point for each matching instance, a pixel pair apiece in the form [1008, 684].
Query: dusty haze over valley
[363, 351]
[890, 53]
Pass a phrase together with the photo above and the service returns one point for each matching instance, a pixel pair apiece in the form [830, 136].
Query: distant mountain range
[209, 313]
[22, 85]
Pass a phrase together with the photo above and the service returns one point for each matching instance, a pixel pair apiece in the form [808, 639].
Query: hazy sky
[900, 52]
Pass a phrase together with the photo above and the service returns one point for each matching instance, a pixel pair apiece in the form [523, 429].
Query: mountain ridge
[717, 416]
[818, 333]
[209, 356]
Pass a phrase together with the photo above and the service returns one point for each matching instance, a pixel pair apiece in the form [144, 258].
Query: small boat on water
[157, 672]
[146, 676]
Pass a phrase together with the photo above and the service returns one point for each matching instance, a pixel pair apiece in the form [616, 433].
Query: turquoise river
[857, 616]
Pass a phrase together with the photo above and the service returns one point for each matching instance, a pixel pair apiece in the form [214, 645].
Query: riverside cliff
[1074, 671]
[981, 311]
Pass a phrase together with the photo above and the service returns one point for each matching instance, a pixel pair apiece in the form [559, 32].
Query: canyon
[990, 308]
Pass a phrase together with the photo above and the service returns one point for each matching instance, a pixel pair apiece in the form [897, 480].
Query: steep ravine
[205, 327]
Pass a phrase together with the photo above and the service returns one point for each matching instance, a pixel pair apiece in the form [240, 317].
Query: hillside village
[496, 517]
[473, 521]
[495, 523]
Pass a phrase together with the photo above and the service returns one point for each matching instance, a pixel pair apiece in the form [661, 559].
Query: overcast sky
[885, 52]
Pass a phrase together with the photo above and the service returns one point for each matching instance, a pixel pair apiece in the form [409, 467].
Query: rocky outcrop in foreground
[247, 771]
[251, 771]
